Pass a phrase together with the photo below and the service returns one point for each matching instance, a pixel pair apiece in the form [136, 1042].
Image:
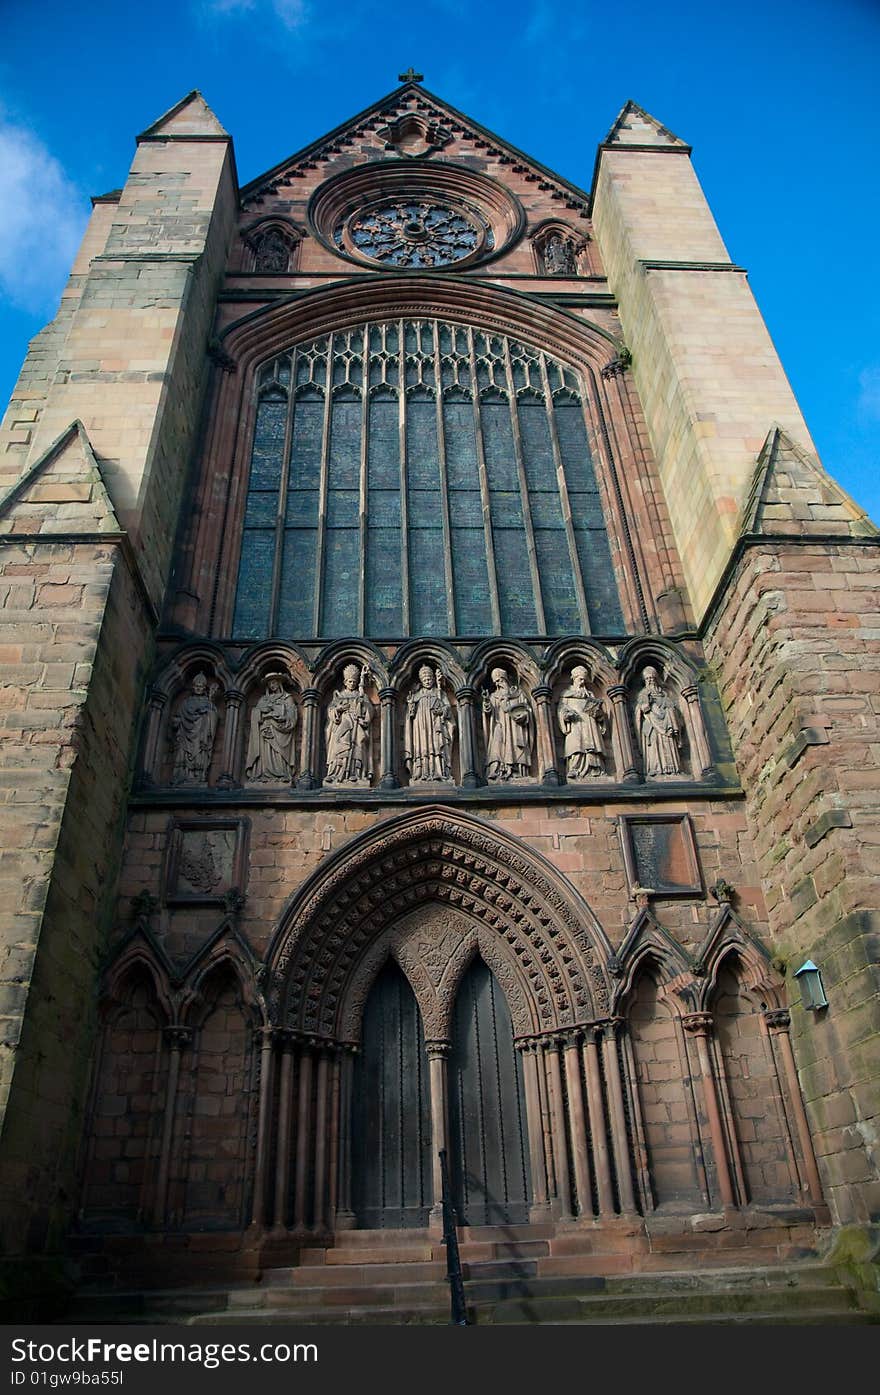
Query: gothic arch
[648, 945]
[494, 652]
[225, 950]
[553, 946]
[264, 333]
[726, 937]
[271, 655]
[560, 655]
[186, 662]
[413, 653]
[342, 651]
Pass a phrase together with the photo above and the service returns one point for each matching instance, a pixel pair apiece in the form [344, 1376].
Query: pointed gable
[63, 492]
[190, 117]
[410, 121]
[791, 494]
[635, 126]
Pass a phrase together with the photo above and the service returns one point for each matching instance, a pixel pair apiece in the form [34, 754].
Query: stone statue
[193, 728]
[508, 728]
[559, 258]
[270, 754]
[271, 253]
[658, 727]
[429, 730]
[347, 733]
[582, 721]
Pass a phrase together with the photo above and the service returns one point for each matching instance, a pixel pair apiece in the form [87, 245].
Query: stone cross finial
[410, 76]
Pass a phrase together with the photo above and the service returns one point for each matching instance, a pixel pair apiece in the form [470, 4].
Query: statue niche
[348, 731]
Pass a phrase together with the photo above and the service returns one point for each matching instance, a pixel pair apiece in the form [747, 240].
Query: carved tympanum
[193, 729]
[270, 753]
[582, 720]
[509, 729]
[658, 726]
[348, 730]
[429, 730]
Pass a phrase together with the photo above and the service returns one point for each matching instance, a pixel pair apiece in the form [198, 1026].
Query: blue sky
[777, 97]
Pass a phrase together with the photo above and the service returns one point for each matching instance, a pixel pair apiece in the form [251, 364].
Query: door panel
[489, 1164]
[391, 1124]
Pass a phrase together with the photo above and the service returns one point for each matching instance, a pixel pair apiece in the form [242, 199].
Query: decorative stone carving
[270, 753]
[348, 731]
[429, 730]
[582, 720]
[509, 729]
[658, 727]
[271, 252]
[193, 729]
[558, 256]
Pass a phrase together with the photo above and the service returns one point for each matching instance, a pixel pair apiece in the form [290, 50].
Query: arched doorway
[391, 1116]
[489, 1161]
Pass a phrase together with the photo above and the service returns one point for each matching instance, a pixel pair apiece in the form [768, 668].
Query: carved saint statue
[582, 721]
[271, 253]
[509, 730]
[270, 754]
[429, 730]
[348, 731]
[193, 728]
[658, 727]
[559, 258]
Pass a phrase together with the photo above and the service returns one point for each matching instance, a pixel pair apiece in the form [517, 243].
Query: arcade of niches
[477, 792]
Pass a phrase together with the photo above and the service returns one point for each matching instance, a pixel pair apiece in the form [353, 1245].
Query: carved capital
[437, 1049]
[699, 1024]
[387, 695]
[233, 697]
[177, 1037]
[542, 693]
[778, 1019]
[310, 697]
[465, 694]
[158, 699]
[617, 692]
[610, 1027]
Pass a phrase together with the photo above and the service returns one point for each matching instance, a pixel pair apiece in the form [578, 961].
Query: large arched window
[415, 477]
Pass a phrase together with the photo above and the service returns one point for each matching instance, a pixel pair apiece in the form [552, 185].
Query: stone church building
[440, 692]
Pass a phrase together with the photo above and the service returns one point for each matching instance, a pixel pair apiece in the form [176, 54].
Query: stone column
[303, 1119]
[578, 1124]
[282, 1152]
[546, 1129]
[333, 1160]
[779, 1026]
[311, 717]
[621, 736]
[540, 1205]
[388, 741]
[234, 702]
[693, 715]
[345, 1217]
[560, 1142]
[150, 762]
[699, 1026]
[322, 1104]
[617, 1115]
[263, 1036]
[467, 739]
[596, 1106]
[177, 1038]
[548, 773]
[438, 1055]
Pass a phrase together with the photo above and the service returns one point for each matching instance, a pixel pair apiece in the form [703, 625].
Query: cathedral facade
[441, 692]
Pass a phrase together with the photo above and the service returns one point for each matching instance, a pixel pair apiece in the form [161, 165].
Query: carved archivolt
[543, 943]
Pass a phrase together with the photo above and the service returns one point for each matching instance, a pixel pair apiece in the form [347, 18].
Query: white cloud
[44, 216]
[291, 13]
[869, 391]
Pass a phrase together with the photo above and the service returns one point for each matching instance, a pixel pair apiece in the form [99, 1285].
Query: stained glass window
[422, 478]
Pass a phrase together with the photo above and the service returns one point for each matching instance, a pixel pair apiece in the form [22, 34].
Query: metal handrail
[458, 1310]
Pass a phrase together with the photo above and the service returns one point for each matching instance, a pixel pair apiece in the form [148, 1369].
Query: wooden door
[489, 1159]
[391, 1124]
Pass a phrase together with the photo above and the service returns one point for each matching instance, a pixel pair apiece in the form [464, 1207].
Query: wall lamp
[811, 986]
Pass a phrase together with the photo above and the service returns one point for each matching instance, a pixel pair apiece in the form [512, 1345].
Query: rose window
[415, 233]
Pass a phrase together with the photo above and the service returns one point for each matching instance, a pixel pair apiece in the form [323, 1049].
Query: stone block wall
[796, 648]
